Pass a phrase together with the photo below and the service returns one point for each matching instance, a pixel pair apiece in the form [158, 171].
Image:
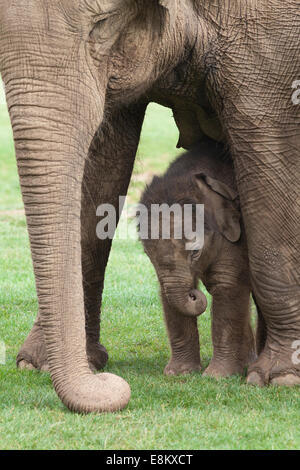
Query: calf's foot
[182, 368]
[219, 370]
[233, 356]
[225, 368]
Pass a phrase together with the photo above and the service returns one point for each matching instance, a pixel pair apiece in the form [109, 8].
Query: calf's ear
[219, 207]
[219, 187]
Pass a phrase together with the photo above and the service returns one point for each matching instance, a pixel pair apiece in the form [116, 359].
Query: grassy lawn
[164, 413]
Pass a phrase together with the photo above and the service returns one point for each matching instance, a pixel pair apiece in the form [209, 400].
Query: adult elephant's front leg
[111, 156]
[106, 177]
[268, 173]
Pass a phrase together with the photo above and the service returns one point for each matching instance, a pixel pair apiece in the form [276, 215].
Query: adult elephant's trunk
[53, 127]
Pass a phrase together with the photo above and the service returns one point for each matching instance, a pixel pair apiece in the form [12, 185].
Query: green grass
[164, 413]
[157, 148]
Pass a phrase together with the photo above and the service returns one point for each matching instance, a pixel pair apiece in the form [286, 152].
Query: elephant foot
[182, 368]
[27, 365]
[218, 370]
[33, 354]
[35, 358]
[97, 356]
[275, 367]
[235, 364]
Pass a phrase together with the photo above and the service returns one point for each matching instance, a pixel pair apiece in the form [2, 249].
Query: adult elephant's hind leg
[106, 177]
[268, 174]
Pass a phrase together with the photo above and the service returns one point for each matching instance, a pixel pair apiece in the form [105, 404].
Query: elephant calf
[203, 176]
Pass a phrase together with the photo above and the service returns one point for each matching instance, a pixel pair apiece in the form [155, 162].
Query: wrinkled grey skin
[203, 176]
[79, 75]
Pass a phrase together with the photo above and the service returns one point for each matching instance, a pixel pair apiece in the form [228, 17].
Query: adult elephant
[75, 67]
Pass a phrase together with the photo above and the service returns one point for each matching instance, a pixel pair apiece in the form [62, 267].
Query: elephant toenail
[255, 379]
[24, 365]
[289, 380]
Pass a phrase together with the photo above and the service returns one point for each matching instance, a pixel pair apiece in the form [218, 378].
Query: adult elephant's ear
[220, 211]
[171, 7]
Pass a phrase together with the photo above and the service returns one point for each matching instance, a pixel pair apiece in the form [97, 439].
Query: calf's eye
[195, 254]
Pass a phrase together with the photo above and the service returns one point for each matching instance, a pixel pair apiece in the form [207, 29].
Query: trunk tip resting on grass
[100, 393]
